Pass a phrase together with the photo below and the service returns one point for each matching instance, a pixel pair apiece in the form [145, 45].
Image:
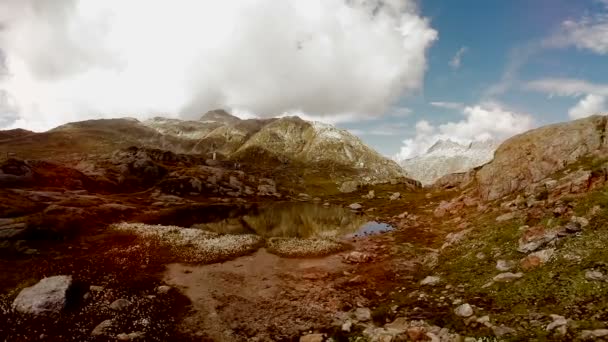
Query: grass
[558, 287]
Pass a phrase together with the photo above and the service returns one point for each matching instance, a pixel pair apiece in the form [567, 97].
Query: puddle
[371, 228]
[299, 220]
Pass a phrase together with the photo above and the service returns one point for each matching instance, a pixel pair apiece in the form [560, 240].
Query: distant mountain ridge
[446, 157]
[334, 154]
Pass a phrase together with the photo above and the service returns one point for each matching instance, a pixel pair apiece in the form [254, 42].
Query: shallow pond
[301, 220]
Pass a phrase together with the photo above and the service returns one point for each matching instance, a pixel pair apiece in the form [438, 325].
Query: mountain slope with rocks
[446, 157]
[477, 257]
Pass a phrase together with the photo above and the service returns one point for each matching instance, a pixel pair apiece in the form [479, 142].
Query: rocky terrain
[156, 244]
[447, 157]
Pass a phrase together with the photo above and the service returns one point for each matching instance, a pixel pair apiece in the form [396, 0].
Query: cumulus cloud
[589, 105]
[484, 121]
[456, 61]
[75, 59]
[589, 32]
[593, 96]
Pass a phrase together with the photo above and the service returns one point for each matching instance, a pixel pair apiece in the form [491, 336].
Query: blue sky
[502, 40]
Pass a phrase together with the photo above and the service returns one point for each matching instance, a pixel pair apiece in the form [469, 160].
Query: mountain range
[316, 150]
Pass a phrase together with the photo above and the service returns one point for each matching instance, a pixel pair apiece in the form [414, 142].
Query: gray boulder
[47, 297]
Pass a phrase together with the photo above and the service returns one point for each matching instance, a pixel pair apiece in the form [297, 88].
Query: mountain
[447, 157]
[530, 157]
[284, 146]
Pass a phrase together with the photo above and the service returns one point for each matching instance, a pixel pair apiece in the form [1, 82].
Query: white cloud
[483, 121]
[589, 33]
[567, 87]
[589, 105]
[594, 96]
[76, 59]
[447, 105]
[456, 61]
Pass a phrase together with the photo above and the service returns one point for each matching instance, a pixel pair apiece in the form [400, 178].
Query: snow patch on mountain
[446, 157]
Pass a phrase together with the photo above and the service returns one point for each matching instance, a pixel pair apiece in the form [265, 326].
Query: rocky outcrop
[532, 156]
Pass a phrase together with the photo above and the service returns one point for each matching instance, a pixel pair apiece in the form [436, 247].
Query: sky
[400, 74]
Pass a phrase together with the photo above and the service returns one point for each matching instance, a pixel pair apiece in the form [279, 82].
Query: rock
[356, 257]
[304, 197]
[537, 259]
[594, 275]
[464, 310]
[349, 186]
[558, 321]
[507, 277]
[346, 326]
[501, 331]
[506, 217]
[593, 334]
[312, 338]
[535, 238]
[453, 238]
[399, 325]
[431, 280]
[416, 333]
[137, 335]
[94, 288]
[363, 314]
[485, 320]
[326, 204]
[120, 304]
[103, 328]
[504, 265]
[163, 289]
[370, 195]
[48, 296]
[573, 227]
[12, 231]
[395, 196]
[355, 206]
[580, 220]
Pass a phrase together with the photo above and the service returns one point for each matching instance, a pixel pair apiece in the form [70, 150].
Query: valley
[224, 229]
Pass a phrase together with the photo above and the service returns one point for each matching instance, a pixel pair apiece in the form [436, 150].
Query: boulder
[594, 275]
[349, 186]
[103, 328]
[363, 314]
[431, 280]
[535, 238]
[537, 259]
[464, 310]
[120, 304]
[355, 206]
[504, 265]
[48, 296]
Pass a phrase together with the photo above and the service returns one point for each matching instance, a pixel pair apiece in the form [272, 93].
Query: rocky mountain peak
[447, 157]
[219, 115]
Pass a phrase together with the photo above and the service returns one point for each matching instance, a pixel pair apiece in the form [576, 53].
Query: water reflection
[301, 220]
